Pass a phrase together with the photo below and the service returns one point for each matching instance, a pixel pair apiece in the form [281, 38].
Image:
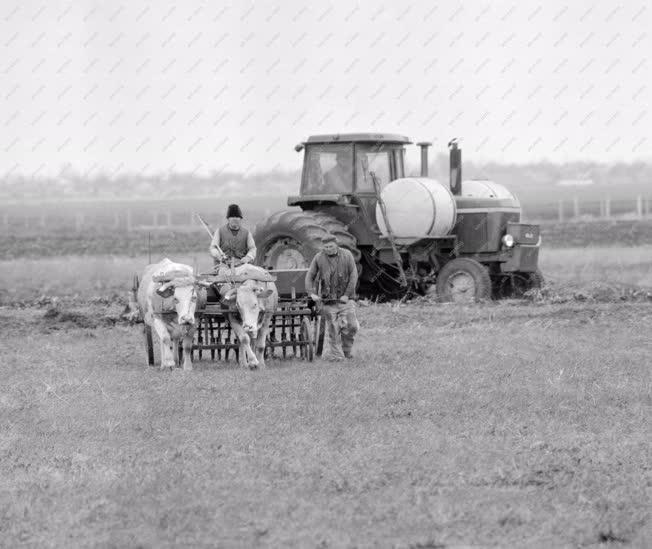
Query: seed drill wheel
[289, 239]
[463, 280]
[319, 331]
[308, 347]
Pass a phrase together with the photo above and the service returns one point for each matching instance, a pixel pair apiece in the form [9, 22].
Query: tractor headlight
[508, 241]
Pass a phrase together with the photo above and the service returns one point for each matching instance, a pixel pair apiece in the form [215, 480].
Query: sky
[154, 87]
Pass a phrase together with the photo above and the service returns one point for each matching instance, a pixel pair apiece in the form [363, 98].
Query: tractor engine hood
[479, 195]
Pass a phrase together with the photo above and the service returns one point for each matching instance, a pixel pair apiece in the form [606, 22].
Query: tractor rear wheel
[289, 239]
[463, 280]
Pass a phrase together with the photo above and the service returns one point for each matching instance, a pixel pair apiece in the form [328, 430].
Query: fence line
[125, 220]
[574, 209]
[130, 219]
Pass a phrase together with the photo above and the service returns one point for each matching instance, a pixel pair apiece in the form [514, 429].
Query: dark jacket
[233, 243]
[338, 275]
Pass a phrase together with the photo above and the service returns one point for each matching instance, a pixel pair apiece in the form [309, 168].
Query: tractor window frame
[399, 163]
[305, 173]
[395, 154]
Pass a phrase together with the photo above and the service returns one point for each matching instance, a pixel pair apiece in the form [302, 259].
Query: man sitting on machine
[232, 241]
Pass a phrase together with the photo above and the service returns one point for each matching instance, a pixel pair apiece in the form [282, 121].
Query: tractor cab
[336, 177]
[339, 164]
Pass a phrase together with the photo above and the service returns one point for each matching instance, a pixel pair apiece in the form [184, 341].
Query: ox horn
[164, 288]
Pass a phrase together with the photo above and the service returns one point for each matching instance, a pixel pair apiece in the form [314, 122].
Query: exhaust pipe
[455, 167]
[424, 157]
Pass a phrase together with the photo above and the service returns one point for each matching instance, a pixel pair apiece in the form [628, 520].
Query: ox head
[248, 298]
[184, 288]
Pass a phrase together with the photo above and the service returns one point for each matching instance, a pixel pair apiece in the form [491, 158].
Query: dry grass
[513, 424]
[90, 276]
[496, 425]
[609, 265]
[83, 276]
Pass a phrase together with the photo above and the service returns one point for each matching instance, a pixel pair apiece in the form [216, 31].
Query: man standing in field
[334, 268]
[233, 241]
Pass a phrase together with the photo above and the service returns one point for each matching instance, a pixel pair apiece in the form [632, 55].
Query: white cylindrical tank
[417, 207]
[484, 188]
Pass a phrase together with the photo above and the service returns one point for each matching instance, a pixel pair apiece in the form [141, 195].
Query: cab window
[329, 169]
[374, 159]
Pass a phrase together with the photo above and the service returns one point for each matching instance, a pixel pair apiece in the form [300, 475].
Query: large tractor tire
[289, 239]
[463, 280]
[515, 285]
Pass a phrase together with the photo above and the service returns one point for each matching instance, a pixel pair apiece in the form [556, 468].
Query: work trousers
[342, 325]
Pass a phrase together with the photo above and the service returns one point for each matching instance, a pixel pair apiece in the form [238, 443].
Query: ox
[251, 298]
[167, 299]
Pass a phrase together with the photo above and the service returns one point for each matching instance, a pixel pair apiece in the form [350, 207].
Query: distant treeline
[515, 176]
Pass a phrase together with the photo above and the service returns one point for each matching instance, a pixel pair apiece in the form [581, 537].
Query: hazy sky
[145, 86]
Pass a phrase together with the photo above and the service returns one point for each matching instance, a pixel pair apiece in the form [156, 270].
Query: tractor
[408, 235]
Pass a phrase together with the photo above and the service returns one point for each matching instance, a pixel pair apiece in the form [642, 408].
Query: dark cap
[328, 238]
[233, 211]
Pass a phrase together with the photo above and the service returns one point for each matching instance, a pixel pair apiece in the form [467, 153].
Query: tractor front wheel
[463, 280]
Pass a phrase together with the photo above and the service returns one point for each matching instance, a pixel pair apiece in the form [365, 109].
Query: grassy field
[40, 243]
[512, 424]
[591, 269]
[611, 265]
[82, 276]
[493, 425]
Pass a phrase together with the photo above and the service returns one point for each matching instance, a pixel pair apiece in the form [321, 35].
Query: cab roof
[357, 138]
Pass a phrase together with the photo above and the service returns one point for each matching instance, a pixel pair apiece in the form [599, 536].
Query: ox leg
[175, 351]
[187, 351]
[261, 340]
[167, 356]
[247, 356]
[149, 344]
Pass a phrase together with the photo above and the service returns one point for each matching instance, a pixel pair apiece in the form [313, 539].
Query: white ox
[255, 297]
[167, 298]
